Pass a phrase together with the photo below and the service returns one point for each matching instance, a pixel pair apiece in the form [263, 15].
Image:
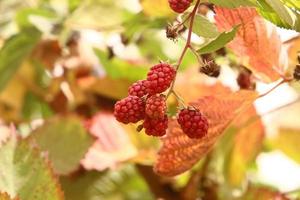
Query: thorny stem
[187, 45]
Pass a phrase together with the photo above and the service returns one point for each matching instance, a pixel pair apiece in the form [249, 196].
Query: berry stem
[179, 98]
[187, 45]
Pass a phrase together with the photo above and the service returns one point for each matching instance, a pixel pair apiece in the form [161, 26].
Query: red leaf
[179, 153]
[257, 41]
[112, 146]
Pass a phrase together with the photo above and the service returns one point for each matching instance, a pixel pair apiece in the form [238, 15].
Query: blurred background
[63, 65]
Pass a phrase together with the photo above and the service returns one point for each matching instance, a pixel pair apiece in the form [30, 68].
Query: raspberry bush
[117, 95]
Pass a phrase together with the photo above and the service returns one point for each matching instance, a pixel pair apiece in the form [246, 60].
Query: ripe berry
[138, 89]
[156, 106]
[156, 127]
[193, 123]
[130, 110]
[159, 78]
[180, 6]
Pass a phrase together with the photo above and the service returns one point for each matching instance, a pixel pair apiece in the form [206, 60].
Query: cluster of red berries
[180, 6]
[146, 102]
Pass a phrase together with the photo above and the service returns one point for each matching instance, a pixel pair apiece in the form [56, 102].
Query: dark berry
[193, 123]
[138, 89]
[160, 78]
[130, 110]
[156, 106]
[245, 80]
[297, 72]
[156, 127]
[180, 6]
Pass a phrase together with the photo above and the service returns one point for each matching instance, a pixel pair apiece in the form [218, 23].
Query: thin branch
[187, 45]
[284, 80]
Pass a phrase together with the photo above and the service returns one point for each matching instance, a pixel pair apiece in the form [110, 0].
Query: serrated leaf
[202, 26]
[282, 11]
[66, 141]
[233, 3]
[26, 174]
[219, 42]
[179, 153]
[288, 141]
[247, 144]
[112, 147]
[257, 44]
[14, 51]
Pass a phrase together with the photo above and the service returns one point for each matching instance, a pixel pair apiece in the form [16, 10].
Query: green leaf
[292, 3]
[125, 184]
[282, 11]
[233, 3]
[279, 14]
[288, 141]
[202, 26]
[33, 107]
[117, 68]
[219, 42]
[14, 51]
[66, 141]
[24, 173]
[23, 16]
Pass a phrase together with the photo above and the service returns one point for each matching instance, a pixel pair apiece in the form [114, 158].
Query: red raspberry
[160, 78]
[138, 89]
[130, 110]
[156, 127]
[156, 106]
[193, 123]
[180, 6]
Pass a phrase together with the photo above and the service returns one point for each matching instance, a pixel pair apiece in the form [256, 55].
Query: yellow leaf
[156, 8]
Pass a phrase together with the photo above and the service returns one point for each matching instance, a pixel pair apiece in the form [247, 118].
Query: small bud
[211, 69]
[172, 32]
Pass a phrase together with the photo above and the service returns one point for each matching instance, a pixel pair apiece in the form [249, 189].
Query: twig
[256, 117]
[284, 80]
[187, 45]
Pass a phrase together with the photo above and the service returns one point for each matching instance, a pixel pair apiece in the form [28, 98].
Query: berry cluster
[180, 6]
[146, 102]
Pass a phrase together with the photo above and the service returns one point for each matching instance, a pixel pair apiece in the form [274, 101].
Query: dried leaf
[5, 196]
[256, 42]
[112, 146]
[179, 153]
